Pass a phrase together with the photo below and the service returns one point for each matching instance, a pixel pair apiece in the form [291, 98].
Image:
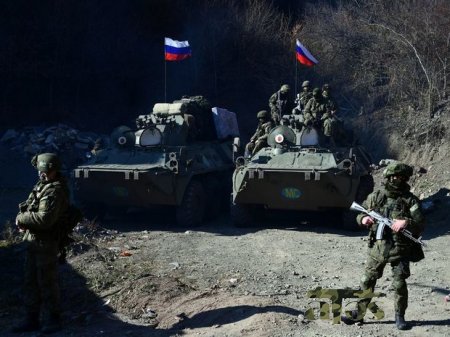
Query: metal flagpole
[296, 74]
[165, 79]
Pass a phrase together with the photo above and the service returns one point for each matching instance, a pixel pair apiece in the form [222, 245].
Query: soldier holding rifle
[396, 202]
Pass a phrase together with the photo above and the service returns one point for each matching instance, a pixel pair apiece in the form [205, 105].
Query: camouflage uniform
[306, 94]
[259, 139]
[395, 202]
[280, 103]
[332, 128]
[330, 104]
[314, 109]
[303, 97]
[40, 216]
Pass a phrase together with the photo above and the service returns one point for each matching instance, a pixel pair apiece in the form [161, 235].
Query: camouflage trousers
[252, 148]
[41, 289]
[400, 272]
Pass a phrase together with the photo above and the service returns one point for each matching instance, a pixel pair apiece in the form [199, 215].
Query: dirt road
[217, 280]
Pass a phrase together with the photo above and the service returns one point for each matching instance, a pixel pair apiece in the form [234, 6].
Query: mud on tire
[191, 211]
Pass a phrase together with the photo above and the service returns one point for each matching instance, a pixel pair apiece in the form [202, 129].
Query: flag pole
[296, 74]
[165, 79]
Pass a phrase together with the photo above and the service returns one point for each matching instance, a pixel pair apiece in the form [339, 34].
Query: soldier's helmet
[263, 114]
[398, 169]
[326, 87]
[306, 84]
[285, 88]
[316, 92]
[45, 162]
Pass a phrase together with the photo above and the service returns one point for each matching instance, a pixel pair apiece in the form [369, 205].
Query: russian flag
[304, 56]
[176, 50]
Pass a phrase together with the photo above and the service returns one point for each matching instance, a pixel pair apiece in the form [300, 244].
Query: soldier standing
[39, 217]
[280, 103]
[259, 139]
[302, 98]
[394, 201]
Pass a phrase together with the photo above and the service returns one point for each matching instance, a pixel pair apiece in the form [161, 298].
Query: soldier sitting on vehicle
[302, 98]
[280, 103]
[259, 139]
[314, 110]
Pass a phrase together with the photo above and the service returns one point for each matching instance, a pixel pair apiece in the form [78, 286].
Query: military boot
[29, 323]
[51, 324]
[400, 321]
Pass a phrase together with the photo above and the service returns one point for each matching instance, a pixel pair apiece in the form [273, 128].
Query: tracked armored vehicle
[175, 157]
[296, 173]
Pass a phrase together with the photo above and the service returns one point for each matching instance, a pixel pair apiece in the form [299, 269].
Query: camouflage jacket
[314, 109]
[46, 205]
[280, 105]
[330, 104]
[262, 131]
[403, 206]
[305, 96]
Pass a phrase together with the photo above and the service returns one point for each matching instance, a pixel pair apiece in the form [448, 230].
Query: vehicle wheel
[214, 199]
[366, 185]
[191, 211]
[241, 215]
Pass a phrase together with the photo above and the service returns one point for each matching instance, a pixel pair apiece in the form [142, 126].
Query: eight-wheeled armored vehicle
[294, 172]
[179, 155]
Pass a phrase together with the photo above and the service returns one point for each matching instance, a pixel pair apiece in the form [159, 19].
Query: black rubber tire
[241, 215]
[191, 211]
[214, 195]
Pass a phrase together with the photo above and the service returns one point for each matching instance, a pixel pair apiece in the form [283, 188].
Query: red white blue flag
[176, 50]
[304, 56]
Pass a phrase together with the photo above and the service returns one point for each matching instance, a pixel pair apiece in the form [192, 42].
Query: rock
[233, 281]
[149, 313]
[175, 265]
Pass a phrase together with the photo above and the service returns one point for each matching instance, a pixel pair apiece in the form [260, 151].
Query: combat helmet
[306, 84]
[263, 114]
[316, 92]
[285, 88]
[398, 169]
[45, 162]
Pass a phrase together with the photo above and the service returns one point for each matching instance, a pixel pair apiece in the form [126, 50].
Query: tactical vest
[37, 195]
[393, 208]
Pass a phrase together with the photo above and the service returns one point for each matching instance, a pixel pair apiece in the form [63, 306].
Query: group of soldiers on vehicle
[311, 108]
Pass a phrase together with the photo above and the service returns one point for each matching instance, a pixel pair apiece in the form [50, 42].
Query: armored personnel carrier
[296, 173]
[175, 157]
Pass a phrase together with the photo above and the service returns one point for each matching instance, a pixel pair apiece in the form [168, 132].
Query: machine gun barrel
[382, 222]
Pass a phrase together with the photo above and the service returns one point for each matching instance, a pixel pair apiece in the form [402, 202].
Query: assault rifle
[383, 222]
